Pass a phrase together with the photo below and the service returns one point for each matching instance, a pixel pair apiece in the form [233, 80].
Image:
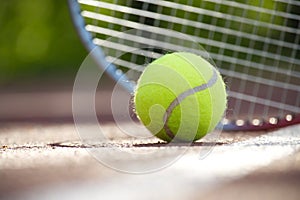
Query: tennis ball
[180, 97]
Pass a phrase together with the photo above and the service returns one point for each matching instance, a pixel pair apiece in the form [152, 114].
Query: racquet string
[255, 44]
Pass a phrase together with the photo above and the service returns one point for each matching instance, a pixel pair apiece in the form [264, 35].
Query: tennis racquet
[254, 44]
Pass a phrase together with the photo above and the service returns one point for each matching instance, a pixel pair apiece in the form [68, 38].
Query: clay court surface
[41, 160]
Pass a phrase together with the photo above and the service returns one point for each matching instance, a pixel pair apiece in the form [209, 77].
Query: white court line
[188, 177]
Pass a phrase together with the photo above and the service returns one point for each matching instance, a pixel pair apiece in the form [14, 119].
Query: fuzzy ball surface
[180, 97]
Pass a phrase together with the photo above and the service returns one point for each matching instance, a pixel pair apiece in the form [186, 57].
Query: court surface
[49, 161]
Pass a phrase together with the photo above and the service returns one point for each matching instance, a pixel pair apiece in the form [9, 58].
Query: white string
[256, 51]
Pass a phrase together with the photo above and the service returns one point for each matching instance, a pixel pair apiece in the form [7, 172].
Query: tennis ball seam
[219, 77]
[184, 95]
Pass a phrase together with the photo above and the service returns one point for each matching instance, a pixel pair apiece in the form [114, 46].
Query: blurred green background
[38, 43]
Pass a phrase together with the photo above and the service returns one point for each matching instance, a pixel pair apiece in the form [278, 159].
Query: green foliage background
[37, 41]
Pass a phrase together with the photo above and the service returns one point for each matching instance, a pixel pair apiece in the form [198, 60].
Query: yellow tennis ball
[180, 97]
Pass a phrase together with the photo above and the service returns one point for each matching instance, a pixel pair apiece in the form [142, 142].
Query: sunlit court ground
[44, 155]
[49, 161]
